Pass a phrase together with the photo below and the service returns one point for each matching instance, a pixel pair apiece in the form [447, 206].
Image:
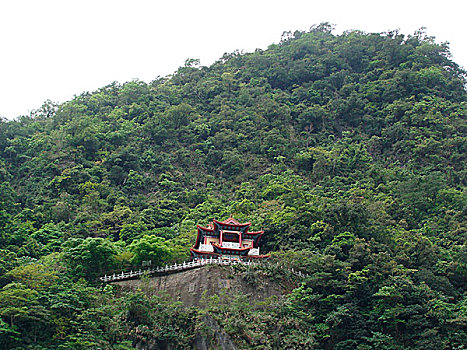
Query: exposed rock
[220, 339]
[152, 345]
[191, 286]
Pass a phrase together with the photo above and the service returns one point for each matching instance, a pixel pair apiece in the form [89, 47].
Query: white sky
[54, 49]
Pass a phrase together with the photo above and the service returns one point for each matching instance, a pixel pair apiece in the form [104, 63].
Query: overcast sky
[54, 49]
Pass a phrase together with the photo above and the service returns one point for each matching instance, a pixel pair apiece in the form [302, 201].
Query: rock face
[220, 339]
[191, 286]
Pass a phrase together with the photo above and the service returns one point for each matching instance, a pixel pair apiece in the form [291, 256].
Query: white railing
[187, 266]
[173, 268]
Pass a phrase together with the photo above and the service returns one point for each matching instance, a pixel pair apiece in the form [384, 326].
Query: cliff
[193, 286]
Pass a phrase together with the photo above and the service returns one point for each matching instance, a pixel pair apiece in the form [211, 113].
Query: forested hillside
[348, 150]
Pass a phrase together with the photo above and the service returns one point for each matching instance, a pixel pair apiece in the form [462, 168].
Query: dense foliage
[348, 150]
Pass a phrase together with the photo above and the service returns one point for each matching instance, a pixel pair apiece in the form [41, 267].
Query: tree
[150, 248]
[36, 276]
[90, 257]
[20, 308]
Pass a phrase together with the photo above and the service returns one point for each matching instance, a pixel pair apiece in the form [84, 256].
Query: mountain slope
[348, 150]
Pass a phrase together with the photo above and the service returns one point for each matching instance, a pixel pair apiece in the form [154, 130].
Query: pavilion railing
[186, 266]
[173, 268]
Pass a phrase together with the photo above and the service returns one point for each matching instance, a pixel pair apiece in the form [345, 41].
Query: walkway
[173, 268]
